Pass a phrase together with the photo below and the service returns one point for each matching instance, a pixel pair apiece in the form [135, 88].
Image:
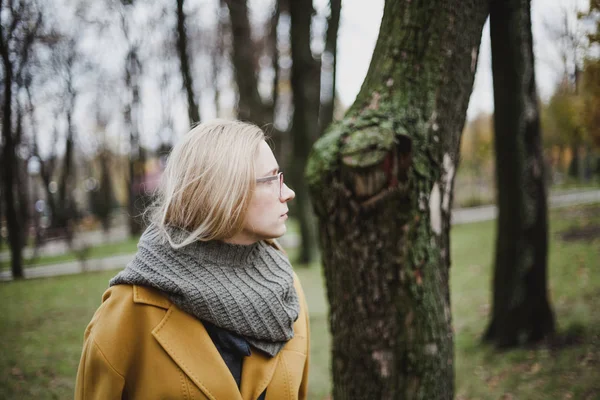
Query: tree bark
[305, 80]
[250, 105]
[272, 39]
[22, 181]
[521, 310]
[16, 40]
[65, 200]
[186, 74]
[9, 167]
[381, 182]
[217, 58]
[137, 157]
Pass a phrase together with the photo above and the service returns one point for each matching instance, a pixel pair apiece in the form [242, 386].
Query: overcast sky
[359, 28]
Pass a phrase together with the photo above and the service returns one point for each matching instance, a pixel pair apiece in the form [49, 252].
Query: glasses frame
[278, 176]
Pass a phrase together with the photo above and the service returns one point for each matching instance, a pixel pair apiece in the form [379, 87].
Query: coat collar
[188, 344]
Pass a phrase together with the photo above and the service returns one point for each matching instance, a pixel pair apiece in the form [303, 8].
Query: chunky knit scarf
[247, 289]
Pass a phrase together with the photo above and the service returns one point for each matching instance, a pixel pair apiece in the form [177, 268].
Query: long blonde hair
[208, 182]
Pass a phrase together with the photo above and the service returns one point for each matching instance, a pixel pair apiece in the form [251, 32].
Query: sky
[359, 28]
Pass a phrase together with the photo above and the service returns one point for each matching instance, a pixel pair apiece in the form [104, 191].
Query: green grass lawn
[42, 322]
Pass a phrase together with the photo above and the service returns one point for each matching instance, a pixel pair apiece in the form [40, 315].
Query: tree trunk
[250, 105]
[186, 74]
[217, 58]
[65, 200]
[137, 157]
[274, 54]
[521, 311]
[10, 169]
[381, 182]
[1, 211]
[22, 182]
[328, 103]
[306, 75]
[46, 170]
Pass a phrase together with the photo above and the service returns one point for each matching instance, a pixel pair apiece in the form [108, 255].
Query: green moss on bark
[370, 178]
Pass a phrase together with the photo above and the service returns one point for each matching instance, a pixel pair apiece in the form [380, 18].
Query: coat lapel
[257, 373]
[185, 339]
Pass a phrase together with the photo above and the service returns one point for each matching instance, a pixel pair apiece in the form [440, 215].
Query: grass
[564, 368]
[42, 323]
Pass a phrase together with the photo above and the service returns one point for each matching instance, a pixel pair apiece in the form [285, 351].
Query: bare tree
[65, 59]
[131, 109]
[20, 26]
[245, 63]
[570, 44]
[306, 77]
[217, 55]
[184, 59]
[101, 191]
[329, 66]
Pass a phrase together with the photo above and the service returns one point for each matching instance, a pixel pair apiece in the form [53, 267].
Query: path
[459, 216]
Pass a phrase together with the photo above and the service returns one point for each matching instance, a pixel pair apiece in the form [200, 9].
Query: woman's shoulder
[123, 297]
[127, 313]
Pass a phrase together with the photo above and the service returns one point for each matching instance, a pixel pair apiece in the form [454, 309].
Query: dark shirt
[233, 348]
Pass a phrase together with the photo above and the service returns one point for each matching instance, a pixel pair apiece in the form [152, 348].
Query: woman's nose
[287, 193]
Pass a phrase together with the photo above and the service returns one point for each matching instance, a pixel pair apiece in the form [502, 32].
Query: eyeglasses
[279, 177]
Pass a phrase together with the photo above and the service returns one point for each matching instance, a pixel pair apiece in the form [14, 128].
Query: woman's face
[268, 208]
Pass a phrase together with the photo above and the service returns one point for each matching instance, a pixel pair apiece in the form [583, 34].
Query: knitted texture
[247, 289]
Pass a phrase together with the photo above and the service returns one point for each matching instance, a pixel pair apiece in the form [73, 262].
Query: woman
[209, 308]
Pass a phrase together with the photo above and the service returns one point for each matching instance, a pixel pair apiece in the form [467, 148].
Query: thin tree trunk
[306, 74]
[278, 137]
[65, 201]
[137, 157]
[22, 183]
[250, 105]
[217, 55]
[521, 310]
[16, 40]
[275, 55]
[333, 23]
[106, 191]
[381, 182]
[9, 167]
[1, 210]
[186, 74]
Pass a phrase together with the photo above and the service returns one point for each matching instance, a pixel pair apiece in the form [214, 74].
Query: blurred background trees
[95, 94]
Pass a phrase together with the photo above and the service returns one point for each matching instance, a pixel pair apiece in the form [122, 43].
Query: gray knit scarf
[246, 289]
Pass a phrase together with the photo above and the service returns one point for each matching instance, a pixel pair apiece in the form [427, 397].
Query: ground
[42, 322]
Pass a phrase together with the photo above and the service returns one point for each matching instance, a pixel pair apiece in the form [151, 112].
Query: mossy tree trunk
[381, 183]
[521, 311]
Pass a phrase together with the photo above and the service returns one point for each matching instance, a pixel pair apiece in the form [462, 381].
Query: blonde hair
[208, 182]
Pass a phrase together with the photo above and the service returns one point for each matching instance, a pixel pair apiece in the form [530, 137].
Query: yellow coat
[139, 345]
